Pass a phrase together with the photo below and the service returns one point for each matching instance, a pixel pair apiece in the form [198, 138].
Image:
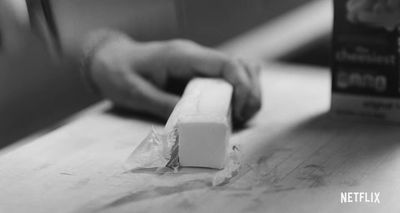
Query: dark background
[36, 93]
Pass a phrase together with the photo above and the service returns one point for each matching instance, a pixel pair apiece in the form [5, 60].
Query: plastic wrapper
[158, 152]
[155, 152]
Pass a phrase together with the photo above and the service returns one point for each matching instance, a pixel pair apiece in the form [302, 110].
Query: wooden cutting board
[295, 158]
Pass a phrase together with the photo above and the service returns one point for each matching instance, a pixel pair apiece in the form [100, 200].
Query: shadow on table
[127, 113]
[318, 152]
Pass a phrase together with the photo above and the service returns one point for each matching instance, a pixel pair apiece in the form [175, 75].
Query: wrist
[93, 47]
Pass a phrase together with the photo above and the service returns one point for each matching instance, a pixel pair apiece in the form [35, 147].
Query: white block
[202, 118]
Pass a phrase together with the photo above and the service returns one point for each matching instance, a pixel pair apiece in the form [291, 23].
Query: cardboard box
[365, 59]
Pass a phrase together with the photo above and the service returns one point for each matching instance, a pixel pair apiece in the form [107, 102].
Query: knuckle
[230, 62]
[178, 45]
[257, 104]
[230, 69]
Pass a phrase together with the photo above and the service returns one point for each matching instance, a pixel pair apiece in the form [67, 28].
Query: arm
[138, 75]
[14, 23]
[140, 19]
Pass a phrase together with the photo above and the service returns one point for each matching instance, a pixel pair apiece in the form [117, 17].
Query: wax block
[202, 121]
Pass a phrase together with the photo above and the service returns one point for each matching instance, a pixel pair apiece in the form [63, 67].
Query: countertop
[296, 158]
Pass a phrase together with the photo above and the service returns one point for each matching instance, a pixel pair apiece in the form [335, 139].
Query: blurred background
[37, 92]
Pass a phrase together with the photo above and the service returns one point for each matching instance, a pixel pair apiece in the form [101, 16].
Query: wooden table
[296, 158]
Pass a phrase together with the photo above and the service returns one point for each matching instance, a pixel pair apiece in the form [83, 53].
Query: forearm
[14, 21]
[24, 20]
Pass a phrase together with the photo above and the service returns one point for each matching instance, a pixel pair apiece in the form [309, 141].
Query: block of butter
[202, 121]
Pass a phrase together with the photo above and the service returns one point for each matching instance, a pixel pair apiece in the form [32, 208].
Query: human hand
[137, 75]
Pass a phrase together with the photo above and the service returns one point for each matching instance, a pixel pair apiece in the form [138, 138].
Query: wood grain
[296, 158]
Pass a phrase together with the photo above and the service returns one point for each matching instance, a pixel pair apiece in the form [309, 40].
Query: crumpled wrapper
[154, 152]
[158, 152]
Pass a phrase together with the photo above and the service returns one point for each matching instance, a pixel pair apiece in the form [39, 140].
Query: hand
[136, 75]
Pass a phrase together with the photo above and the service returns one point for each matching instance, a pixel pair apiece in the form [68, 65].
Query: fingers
[119, 81]
[140, 87]
[145, 97]
[247, 93]
[236, 74]
[187, 60]
[131, 91]
[253, 102]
